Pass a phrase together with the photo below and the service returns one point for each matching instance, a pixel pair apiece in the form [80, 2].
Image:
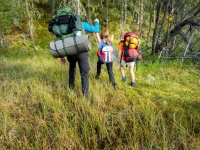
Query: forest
[163, 25]
[39, 111]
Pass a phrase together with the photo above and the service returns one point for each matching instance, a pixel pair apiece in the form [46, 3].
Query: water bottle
[78, 33]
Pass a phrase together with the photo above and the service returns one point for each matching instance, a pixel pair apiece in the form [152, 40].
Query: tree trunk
[122, 13]
[89, 18]
[140, 20]
[154, 13]
[185, 39]
[192, 19]
[151, 10]
[30, 25]
[187, 47]
[163, 20]
[52, 8]
[154, 41]
[78, 7]
[133, 18]
[107, 14]
[177, 29]
[1, 39]
[125, 11]
[64, 3]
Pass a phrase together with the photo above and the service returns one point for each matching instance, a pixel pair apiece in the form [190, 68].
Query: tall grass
[39, 111]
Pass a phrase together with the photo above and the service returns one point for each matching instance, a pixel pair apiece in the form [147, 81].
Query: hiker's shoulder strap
[101, 44]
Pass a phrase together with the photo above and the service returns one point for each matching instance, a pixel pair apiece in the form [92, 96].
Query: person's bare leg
[132, 75]
[123, 73]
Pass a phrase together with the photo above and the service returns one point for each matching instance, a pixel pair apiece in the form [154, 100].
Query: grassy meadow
[39, 111]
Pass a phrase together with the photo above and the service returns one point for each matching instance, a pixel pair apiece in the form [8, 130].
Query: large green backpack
[66, 24]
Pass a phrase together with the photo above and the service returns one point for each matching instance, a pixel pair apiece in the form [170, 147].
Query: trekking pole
[136, 65]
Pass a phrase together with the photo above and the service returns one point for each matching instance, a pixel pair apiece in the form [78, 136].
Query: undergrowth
[39, 111]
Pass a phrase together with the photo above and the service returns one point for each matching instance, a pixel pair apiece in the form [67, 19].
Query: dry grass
[39, 111]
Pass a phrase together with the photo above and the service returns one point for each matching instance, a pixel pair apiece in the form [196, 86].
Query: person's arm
[62, 61]
[98, 37]
[111, 38]
[119, 52]
[90, 28]
[119, 55]
[96, 25]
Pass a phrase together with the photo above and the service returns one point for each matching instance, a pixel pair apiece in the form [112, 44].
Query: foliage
[39, 111]
[9, 16]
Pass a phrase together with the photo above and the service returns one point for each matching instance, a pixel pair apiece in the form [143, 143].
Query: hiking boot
[115, 86]
[124, 78]
[71, 86]
[97, 76]
[132, 84]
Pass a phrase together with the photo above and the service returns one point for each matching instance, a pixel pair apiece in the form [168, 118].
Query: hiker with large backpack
[70, 35]
[71, 30]
[128, 54]
[84, 68]
[105, 55]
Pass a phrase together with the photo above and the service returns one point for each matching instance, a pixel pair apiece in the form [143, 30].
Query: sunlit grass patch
[39, 111]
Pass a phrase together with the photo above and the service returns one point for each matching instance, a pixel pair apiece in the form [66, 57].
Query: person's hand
[62, 61]
[96, 20]
[119, 63]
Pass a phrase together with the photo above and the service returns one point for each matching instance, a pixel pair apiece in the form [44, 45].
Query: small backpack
[65, 24]
[106, 53]
[130, 46]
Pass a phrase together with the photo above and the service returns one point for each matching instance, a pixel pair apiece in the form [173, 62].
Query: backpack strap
[101, 44]
[62, 41]
[77, 49]
[57, 49]
[100, 47]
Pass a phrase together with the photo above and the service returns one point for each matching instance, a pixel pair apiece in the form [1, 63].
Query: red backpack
[131, 50]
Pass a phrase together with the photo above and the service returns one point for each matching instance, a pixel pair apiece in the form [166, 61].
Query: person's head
[105, 35]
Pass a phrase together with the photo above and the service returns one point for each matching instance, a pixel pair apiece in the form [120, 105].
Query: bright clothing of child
[123, 63]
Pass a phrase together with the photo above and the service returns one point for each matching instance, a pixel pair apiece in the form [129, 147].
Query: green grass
[39, 111]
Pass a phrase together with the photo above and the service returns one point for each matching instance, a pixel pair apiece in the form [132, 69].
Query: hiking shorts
[131, 64]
